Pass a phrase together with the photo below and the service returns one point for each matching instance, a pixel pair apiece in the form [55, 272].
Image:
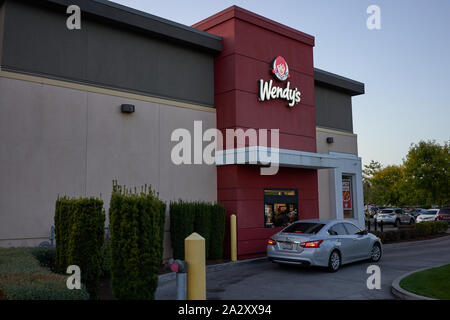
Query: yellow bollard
[233, 236]
[194, 248]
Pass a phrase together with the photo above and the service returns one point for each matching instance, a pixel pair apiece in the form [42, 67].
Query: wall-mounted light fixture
[127, 108]
[330, 139]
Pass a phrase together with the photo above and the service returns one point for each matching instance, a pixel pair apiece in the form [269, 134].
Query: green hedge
[430, 227]
[422, 229]
[206, 219]
[217, 232]
[79, 235]
[182, 217]
[137, 234]
[23, 278]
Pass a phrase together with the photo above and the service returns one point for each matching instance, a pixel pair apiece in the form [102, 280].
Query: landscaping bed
[433, 283]
[24, 277]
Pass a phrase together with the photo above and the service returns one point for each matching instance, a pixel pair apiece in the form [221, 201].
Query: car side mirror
[362, 233]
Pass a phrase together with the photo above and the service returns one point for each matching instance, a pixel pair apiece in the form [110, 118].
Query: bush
[422, 229]
[23, 278]
[217, 232]
[79, 234]
[63, 222]
[202, 222]
[137, 233]
[182, 217]
[106, 265]
[46, 256]
[430, 227]
[206, 219]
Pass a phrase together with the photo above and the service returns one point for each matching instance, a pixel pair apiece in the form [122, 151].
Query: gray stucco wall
[333, 109]
[36, 40]
[56, 140]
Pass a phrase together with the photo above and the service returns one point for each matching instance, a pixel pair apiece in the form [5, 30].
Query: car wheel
[411, 221]
[397, 223]
[375, 254]
[334, 263]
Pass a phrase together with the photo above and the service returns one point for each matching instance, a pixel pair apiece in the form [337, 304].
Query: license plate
[286, 246]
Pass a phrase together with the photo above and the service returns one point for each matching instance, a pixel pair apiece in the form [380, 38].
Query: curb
[163, 278]
[403, 294]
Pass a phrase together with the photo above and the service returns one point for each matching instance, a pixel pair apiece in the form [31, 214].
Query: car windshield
[430, 212]
[304, 228]
[387, 211]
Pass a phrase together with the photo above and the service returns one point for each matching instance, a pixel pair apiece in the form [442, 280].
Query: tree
[367, 175]
[387, 185]
[427, 171]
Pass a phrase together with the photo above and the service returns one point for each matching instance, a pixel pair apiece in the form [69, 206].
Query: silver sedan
[326, 243]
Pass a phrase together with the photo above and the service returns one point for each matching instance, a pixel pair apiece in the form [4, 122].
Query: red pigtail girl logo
[280, 68]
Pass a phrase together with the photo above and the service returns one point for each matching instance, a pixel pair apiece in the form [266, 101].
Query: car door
[403, 217]
[342, 241]
[360, 242]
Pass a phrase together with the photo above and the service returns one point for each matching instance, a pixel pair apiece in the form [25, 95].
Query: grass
[433, 283]
[23, 278]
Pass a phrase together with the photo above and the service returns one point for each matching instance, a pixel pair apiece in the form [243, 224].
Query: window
[351, 229]
[398, 211]
[280, 207]
[304, 227]
[337, 230]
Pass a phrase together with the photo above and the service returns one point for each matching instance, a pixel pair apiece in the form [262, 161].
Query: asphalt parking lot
[262, 279]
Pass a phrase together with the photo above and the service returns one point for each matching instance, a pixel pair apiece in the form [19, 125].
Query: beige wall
[344, 143]
[57, 140]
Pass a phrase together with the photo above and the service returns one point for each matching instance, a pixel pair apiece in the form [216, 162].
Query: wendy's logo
[280, 68]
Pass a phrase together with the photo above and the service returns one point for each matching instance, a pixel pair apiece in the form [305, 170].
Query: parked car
[416, 212]
[444, 215]
[429, 215]
[394, 216]
[327, 243]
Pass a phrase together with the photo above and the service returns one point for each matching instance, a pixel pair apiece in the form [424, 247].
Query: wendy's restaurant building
[112, 100]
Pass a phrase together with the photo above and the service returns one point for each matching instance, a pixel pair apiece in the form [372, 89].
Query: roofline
[255, 19]
[146, 22]
[335, 81]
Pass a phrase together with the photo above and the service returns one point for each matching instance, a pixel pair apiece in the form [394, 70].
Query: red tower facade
[250, 44]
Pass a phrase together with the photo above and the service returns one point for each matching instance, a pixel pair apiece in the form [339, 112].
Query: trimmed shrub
[106, 265]
[202, 222]
[63, 222]
[206, 219]
[217, 232]
[46, 256]
[137, 231]
[23, 278]
[182, 217]
[422, 229]
[430, 227]
[79, 234]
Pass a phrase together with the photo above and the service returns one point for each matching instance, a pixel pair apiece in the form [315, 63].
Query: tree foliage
[422, 179]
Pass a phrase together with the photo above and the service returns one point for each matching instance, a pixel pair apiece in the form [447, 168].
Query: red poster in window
[347, 194]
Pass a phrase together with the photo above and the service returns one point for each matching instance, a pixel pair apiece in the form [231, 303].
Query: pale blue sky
[405, 65]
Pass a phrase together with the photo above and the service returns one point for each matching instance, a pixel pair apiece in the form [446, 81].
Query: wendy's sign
[268, 91]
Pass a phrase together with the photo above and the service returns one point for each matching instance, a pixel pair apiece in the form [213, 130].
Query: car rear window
[387, 211]
[304, 227]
